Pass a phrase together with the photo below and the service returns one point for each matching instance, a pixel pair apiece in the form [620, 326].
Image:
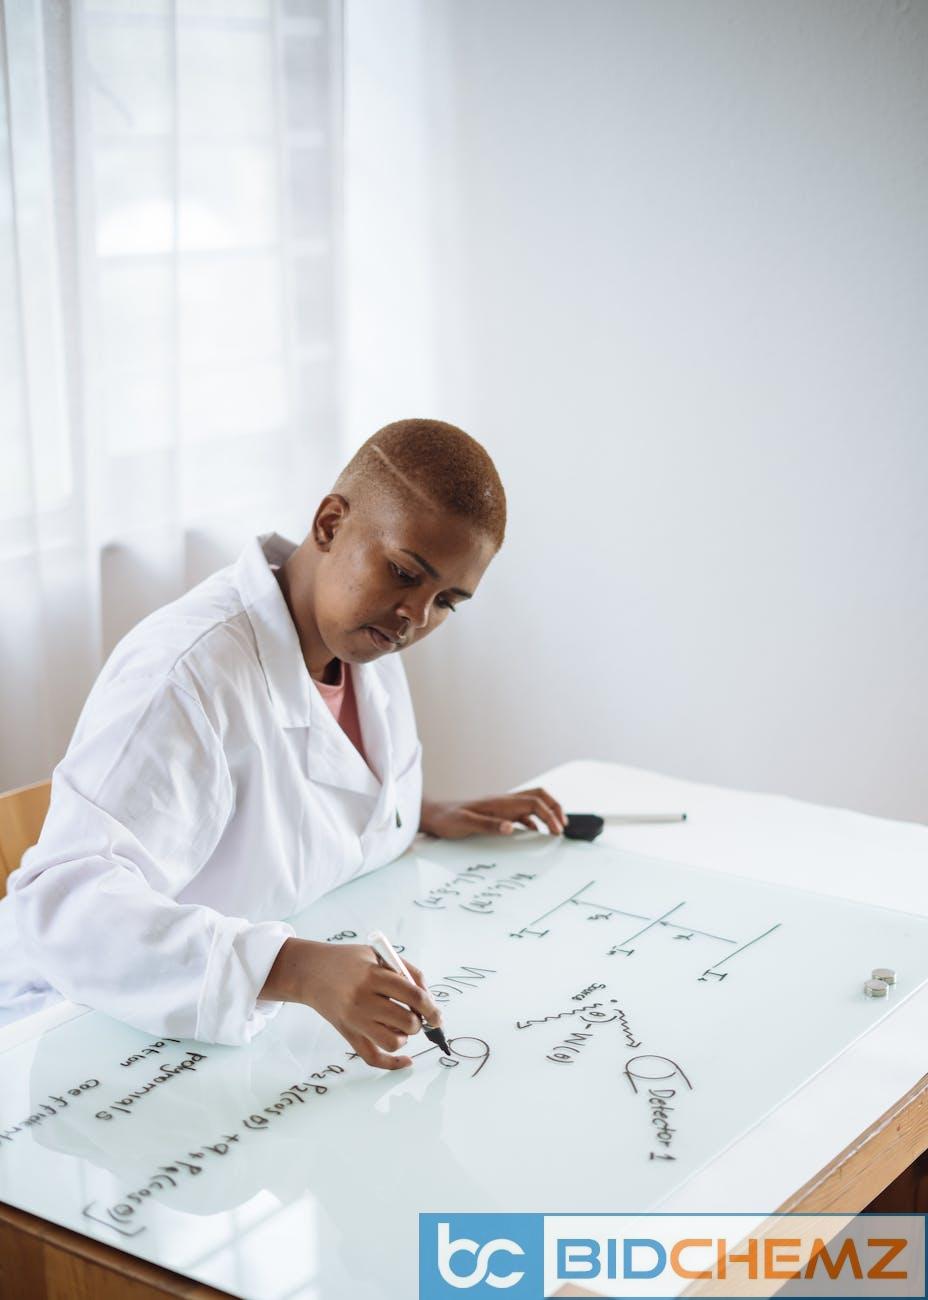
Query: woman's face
[389, 576]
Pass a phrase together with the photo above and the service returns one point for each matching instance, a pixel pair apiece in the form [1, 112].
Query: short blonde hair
[433, 461]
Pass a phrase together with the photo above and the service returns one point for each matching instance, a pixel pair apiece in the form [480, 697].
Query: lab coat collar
[287, 678]
[332, 758]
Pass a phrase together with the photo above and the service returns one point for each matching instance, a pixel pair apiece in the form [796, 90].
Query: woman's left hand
[497, 815]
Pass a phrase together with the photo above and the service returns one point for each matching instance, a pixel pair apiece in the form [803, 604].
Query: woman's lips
[379, 640]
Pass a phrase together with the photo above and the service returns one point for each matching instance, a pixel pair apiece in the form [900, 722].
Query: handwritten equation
[472, 890]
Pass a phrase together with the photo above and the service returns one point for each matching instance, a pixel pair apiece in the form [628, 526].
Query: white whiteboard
[287, 1169]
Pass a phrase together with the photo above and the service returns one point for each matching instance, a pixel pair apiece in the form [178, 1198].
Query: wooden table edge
[40, 1259]
[849, 1182]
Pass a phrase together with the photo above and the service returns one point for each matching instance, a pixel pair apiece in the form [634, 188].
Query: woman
[247, 748]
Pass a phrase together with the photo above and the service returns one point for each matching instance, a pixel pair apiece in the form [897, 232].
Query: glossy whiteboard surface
[616, 1022]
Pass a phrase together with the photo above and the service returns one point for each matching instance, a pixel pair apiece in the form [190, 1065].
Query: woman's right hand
[347, 985]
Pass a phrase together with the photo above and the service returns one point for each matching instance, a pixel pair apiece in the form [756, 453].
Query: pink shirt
[343, 705]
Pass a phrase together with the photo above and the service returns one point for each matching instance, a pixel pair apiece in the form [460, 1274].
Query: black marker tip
[437, 1037]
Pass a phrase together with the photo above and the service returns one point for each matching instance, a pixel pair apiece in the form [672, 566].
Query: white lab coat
[206, 794]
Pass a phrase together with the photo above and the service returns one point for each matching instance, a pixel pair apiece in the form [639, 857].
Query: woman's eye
[443, 602]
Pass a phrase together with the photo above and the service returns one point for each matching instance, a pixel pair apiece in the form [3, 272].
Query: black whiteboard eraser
[583, 826]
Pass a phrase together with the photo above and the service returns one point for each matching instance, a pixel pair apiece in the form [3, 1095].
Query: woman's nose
[416, 611]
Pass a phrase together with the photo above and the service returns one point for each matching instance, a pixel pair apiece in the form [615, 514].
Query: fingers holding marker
[396, 1017]
[417, 975]
[397, 982]
[413, 996]
[388, 1038]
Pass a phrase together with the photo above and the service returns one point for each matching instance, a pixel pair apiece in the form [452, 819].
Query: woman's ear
[333, 511]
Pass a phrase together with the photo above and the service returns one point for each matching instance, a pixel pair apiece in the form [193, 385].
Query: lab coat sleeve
[138, 804]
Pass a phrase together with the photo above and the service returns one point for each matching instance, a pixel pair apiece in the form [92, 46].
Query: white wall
[667, 260]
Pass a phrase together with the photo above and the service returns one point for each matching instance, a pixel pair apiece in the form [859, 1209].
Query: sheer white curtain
[168, 199]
